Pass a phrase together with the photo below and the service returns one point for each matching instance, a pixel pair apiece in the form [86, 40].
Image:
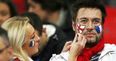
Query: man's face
[37, 9]
[4, 12]
[91, 20]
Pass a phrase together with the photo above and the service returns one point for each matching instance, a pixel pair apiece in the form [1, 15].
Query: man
[8, 10]
[53, 12]
[88, 44]
[45, 9]
[6, 51]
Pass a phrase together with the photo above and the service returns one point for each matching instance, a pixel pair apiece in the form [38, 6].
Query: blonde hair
[16, 27]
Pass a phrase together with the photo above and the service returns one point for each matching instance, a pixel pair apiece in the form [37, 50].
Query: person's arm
[60, 57]
[71, 50]
[63, 56]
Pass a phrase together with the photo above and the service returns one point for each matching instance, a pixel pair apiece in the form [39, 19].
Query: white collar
[30, 59]
[50, 30]
[108, 49]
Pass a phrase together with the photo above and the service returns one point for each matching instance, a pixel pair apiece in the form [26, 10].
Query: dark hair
[4, 36]
[87, 4]
[50, 5]
[34, 21]
[10, 5]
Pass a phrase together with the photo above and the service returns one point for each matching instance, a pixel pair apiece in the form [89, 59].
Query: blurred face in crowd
[4, 12]
[32, 40]
[54, 17]
[90, 20]
[5, 51]
[37, 9]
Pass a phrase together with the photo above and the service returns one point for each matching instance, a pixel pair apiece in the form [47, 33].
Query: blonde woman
[22, 37]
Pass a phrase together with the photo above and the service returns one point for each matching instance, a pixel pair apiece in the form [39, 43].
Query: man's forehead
[89, 12]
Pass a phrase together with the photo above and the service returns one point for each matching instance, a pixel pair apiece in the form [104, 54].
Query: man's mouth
[90, 35]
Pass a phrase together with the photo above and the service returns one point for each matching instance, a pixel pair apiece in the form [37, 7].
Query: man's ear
[73, 25]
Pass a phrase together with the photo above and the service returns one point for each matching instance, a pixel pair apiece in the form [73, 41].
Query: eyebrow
[83, 18]
[32, 36]
[96, 18]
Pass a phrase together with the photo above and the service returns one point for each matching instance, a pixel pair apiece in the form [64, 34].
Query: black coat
[54, 46]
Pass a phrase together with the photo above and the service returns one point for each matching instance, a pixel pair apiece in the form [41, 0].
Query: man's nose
[90, 26]
[30, 9]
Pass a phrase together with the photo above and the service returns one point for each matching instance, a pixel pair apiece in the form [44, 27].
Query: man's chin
[91, 42]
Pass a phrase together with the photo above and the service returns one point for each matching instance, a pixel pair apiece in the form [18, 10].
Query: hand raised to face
[77, 46]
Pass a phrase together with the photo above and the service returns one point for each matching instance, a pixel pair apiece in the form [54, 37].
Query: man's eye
[84, 21]
[31, 5]
[96, 21]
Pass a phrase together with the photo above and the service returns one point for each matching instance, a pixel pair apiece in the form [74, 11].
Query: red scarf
[88, 53]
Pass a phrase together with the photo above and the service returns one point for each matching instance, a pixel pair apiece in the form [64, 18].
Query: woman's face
[4, 12]
[32, 40]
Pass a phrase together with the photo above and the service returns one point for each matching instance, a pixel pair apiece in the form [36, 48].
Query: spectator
[56, 37]
[7, 10]
[24, 42]
[88, 44]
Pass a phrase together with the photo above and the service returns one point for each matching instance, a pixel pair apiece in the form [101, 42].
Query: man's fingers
[75, 38]
[80, 37]
[81, 41]
[68, 43]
